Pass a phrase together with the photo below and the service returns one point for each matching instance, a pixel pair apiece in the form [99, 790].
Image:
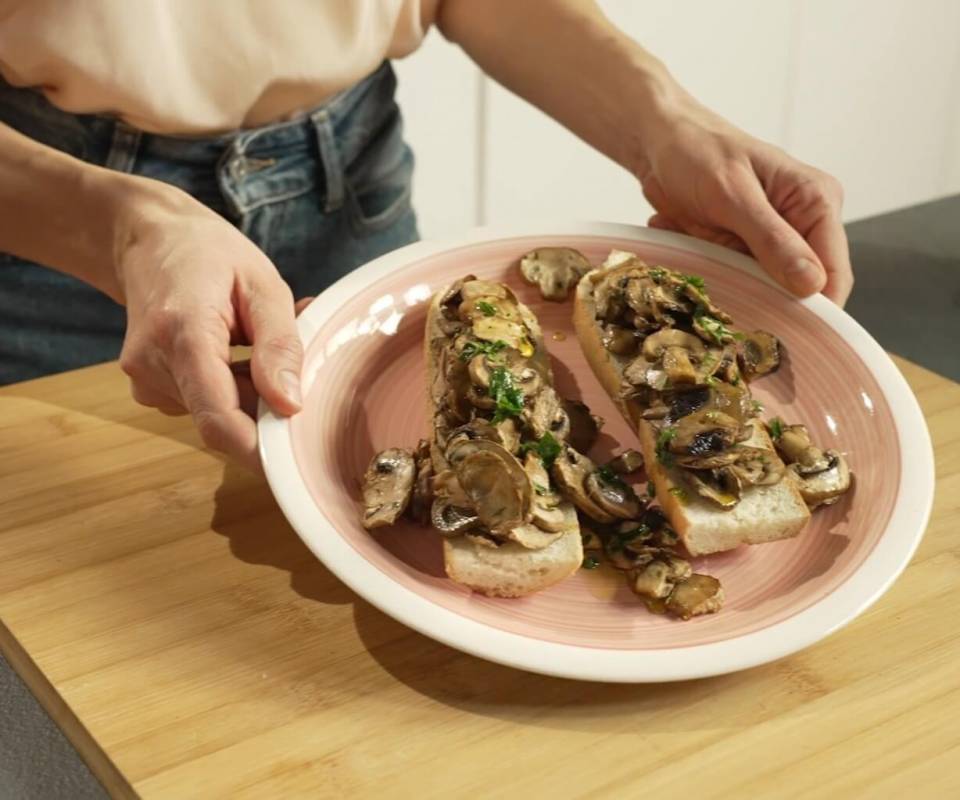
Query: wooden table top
[191, 646]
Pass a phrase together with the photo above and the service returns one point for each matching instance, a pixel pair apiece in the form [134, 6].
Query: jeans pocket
[378, 182]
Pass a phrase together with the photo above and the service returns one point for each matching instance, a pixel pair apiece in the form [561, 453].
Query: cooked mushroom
[555, 270]
[625, 463]
[756, 466]
[451, 300]
[711, 485]
[474, 289]
[548, 513]
[758, 353]
[498, 329]
[451, 520]
[509, 434]
[794, 445]
[619, 340]
[824, 488]
[387, 487]
[571, 470]
[495, 482]
[531, 537]
[706, 432]
[525, 378]
[584, 426]
[658, 578]
[655, 302]
[422, 497]
[610, 493]
[546, 415]
[487, 306]
[695, 595]
[640, 372]
[656, 343]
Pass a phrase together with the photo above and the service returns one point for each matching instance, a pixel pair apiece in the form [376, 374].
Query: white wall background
[866, 89]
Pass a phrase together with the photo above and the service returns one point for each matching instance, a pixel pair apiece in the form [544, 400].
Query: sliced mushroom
[495, 483]
[387, 487]
[695, 595]
[422, 497]
[556, 270]
[658, 578]
[571, 470]
[546, 415]
[656, 343]
[497, 329]
[795, 447]
[705, 433]
[711, 485]
[550, 513]
[756, 466]
[509, 434]
[615, 497]
[584, 426]
[474, 289]
[452, 297]
[451, 520]
[531, 537]
[758, 353]
[525, 378]
[625, 463]
[489, 306]
[655, 302]
[824, 488]
[619, 340]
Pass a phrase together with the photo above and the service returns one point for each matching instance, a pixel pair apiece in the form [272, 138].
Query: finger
[301, 305]
[779, 248]
[829, 241]
[148, 396]
[267, 314]
[209, 391]
[665, 223]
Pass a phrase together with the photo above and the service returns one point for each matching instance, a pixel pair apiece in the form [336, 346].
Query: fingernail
[290, 381]
[803, 276]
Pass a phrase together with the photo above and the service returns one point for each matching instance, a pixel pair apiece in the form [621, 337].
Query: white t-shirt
[201, 66]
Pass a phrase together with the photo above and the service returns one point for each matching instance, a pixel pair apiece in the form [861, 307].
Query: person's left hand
[706, 178]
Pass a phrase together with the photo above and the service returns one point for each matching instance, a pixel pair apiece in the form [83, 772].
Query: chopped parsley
[546, 447]
[679, 492]
[617, 541]
[476, 348]
[711, 381]
[776, 428]
[667, 434]
[735, 381]
[540, 489]
[590, 563]
[487, 309]
[505, 394]
[657, 273]
[757, 406]
[696, 282]
[711, 326]
[651, 489]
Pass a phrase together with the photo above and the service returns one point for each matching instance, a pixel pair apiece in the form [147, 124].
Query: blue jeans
[320, 195]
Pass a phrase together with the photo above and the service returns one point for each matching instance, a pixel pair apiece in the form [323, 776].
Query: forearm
[66, 214]
[569, 60]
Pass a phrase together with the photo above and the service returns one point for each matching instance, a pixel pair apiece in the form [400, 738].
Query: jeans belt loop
[123, 148]
[330, 157]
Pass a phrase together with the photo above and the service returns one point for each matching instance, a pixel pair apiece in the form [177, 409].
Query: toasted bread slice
[509, 570]
[764, 513]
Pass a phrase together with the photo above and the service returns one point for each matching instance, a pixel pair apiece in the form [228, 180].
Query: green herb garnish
[776, 428]
[657, 273]
[666, 435]
[485, 308]
[735, 381]
[679, 492]
[476, 348]
[546, 447]
[696, 282]
[711, 381]
[651, 489]
[540, 489]
[757, 406]
[590, 563]
[505, 394]
[713, 327]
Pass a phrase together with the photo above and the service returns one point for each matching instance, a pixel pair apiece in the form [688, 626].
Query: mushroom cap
[556, 270]
[387, 487]
[495, 483]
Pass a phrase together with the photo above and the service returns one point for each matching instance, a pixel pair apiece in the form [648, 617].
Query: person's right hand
[193, 285]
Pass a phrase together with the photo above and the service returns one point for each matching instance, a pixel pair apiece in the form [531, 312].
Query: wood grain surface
[191, 646]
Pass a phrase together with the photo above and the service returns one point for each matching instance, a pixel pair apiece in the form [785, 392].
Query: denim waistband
[333, 133]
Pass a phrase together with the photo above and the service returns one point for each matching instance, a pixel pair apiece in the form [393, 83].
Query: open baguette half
[763, 514]
[509, 569]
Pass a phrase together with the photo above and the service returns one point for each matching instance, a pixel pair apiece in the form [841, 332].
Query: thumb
[268, 318]
[779, 248]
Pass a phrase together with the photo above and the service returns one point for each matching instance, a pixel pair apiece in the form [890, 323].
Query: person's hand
[193, 285]
[708, 179]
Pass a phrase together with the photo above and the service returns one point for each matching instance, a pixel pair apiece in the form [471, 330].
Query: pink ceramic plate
[364, 391]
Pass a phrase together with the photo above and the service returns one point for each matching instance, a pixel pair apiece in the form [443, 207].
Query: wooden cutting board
[191, 646]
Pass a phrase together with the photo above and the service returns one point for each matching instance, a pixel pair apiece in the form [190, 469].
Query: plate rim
[873, 577]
